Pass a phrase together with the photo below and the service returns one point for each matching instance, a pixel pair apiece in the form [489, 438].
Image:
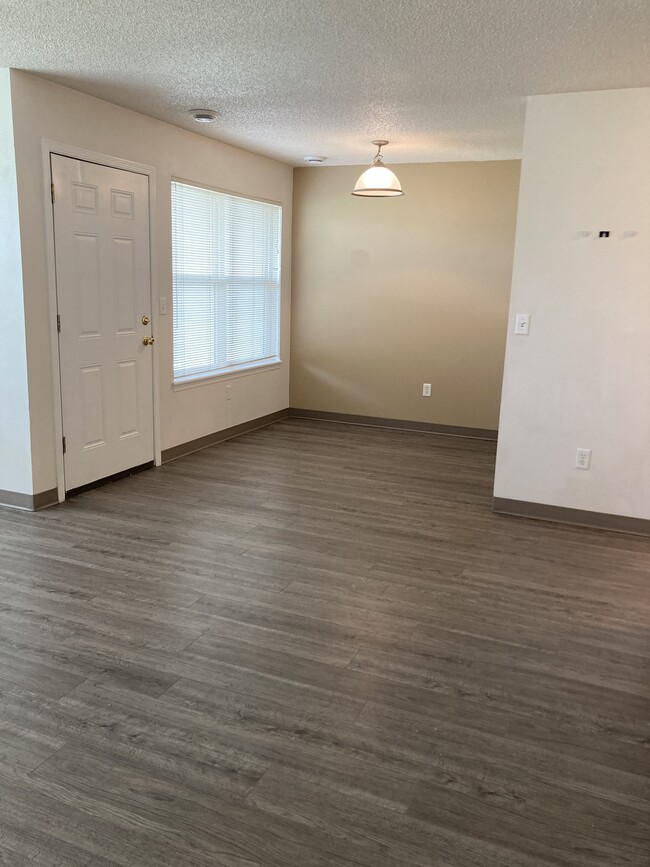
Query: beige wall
[391, 293]
[43, 110]
[581, 379]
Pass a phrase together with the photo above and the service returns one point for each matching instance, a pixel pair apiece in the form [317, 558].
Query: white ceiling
[442, 79]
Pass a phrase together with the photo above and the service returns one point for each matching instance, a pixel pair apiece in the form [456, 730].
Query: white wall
[15, 457]
[582, 376]
[43, 110]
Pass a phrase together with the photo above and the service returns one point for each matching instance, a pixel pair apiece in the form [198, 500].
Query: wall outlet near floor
[426, 389]
[583, 459]
[228, 392]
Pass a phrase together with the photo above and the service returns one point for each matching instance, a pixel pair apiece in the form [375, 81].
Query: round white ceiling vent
[314, 161]
[203, 115]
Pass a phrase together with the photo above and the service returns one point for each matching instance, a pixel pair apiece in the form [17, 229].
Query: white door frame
[52, 147]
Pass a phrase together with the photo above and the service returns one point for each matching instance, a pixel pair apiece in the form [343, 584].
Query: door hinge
[52, 192]
[64, 447]
[58, 323]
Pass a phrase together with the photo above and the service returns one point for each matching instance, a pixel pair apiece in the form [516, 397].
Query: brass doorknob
[145, 319]
[148, 341]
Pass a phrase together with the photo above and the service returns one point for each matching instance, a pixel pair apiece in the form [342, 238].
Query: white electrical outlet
[426, 389]
[522, 323]
[162, 306]
[228, 392]
[583, 459]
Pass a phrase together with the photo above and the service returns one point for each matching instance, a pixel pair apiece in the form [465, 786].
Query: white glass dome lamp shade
[378, 181]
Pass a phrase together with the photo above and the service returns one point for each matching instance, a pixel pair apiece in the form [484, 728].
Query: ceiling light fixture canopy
[378, 180]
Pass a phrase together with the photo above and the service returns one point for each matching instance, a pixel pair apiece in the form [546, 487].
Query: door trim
[50, 147]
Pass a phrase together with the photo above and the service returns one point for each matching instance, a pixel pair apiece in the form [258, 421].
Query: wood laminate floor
[315, 645]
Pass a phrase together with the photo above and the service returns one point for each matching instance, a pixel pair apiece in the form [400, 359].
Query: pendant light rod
[380, 142]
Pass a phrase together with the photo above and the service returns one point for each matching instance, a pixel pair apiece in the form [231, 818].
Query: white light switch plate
[162, 306]
[522, 323]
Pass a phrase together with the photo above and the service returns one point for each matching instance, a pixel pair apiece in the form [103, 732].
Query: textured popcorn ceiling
[442, 79]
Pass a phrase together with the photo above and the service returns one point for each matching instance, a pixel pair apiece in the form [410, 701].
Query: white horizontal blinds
[226, 273]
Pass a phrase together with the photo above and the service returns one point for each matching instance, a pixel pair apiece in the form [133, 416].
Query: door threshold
[107, 479]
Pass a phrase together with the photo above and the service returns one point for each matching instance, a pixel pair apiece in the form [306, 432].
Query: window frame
[249, 368]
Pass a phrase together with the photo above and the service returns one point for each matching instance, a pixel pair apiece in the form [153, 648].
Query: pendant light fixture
[378, 180]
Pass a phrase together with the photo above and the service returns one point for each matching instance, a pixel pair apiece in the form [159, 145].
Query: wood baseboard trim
[228, 433]
[29, 502]
[474, 433]
[578, 517]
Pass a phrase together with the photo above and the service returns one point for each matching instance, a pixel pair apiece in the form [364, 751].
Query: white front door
[103, 282]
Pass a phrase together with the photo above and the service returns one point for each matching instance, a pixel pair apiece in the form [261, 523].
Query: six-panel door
[101, 229]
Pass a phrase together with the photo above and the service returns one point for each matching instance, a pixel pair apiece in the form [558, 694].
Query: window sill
[225, 375]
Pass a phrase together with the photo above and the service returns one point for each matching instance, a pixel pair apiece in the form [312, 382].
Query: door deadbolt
[145, 319]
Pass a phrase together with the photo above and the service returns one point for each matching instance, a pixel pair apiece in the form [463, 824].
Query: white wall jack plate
[228, 392]
[583, 459]
[522, 323]
[162, 306]
[426, 389]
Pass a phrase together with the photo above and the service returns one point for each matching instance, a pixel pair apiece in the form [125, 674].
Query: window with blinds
[226, 278]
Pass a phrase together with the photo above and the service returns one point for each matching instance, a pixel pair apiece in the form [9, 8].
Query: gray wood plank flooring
[315, 645]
